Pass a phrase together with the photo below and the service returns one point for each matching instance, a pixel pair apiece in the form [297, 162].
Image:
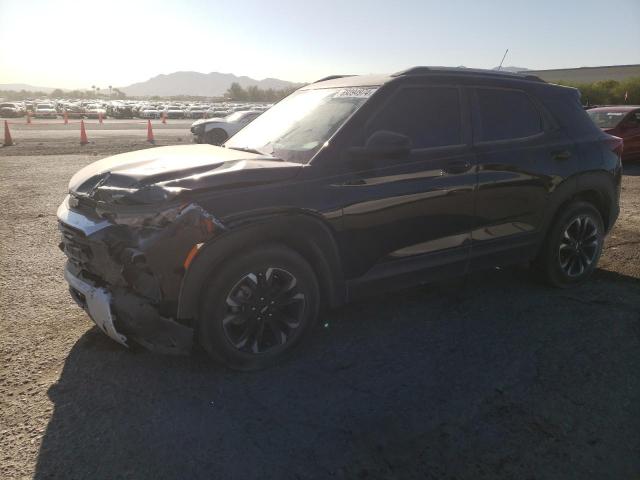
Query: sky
[76, 44]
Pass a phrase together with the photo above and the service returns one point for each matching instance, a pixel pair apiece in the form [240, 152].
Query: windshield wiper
[247, 149]
[253, 150]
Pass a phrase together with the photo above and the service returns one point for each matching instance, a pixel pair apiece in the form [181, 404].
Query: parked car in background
[120, 111]
[74, 111]
[95, 111]
[45, 110]
[11, 110]
[196, 112]
[216, 131]
[218, 112]
[174, 111]
[350, 185]
[622, 121]
[149, 113]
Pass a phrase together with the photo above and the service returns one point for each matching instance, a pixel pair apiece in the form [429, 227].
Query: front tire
[573, 246]
[257, 308]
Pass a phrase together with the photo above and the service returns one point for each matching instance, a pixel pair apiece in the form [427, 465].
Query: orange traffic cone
[83, 134]
[66, 118]
[28, 117]
[8, 141]
[164, 118]
[100, 118]
[150, 138]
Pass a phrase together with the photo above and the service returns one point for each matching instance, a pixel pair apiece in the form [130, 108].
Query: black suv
[350, 185]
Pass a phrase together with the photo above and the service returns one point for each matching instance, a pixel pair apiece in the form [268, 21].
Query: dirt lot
[492, 376]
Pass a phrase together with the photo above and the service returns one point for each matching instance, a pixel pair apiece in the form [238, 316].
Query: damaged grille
[75, 246]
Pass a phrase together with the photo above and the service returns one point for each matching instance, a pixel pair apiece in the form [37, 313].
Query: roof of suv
[375, 80]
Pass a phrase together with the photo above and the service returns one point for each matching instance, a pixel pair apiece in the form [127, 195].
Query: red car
[622, 121]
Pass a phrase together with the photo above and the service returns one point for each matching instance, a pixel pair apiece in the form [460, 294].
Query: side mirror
[383, 144]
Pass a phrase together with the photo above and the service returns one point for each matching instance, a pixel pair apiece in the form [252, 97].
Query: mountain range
[212, 84]
[16, 87]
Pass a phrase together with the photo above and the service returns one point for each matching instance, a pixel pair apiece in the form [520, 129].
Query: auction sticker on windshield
[354, 92]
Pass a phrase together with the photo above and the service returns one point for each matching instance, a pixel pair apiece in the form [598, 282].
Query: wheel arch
[305, 233]
[597, 188]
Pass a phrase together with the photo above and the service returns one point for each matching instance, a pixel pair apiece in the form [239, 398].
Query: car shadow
[490, 376]
[631, 168]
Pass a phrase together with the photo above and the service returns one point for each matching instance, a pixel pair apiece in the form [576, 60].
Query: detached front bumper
[97, 303]
[97, 283]
[121, 315]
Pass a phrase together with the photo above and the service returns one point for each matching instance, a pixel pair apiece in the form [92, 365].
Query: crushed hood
[166, 171]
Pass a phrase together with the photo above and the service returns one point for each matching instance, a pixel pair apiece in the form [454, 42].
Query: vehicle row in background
[129, 109]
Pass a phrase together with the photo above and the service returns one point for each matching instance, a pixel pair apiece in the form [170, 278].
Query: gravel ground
[53, 137]
[490, 376]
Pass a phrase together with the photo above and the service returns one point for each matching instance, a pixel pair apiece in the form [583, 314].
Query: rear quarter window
[569, 113]
[502, 114]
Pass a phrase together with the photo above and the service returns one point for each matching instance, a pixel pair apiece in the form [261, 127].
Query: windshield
[234, 117]
[604, 119]
[297, 127]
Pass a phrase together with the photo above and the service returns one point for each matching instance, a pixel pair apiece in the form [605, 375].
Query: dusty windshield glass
[297, 127]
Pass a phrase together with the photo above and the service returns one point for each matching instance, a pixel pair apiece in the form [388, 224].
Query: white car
[149, 112]
[45, 110]
[216, 131]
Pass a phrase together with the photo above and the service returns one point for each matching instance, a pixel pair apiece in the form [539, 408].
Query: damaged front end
[127, 253]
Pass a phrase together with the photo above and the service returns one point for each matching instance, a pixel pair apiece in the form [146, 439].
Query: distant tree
[608, 92]
[57, 93]
[119, 94]
[256, 94]
[236, 92]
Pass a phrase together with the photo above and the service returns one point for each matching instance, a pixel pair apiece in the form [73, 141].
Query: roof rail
[331, 77]
[471, 71]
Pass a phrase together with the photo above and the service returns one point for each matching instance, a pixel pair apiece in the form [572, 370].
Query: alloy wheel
[264, 309]
[579, 246]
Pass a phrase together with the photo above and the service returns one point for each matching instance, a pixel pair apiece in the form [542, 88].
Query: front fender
[304, 233]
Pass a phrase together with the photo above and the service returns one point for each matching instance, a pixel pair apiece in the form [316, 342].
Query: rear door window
[501, 114]
[429, 116]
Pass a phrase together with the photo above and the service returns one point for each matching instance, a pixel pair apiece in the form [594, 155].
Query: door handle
[561, 155]
[457, 167]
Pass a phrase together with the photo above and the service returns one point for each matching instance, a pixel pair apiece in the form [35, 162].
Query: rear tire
[258, 307]
[573, 246]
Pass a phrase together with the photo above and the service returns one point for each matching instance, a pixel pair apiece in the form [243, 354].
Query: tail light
[616, 144]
